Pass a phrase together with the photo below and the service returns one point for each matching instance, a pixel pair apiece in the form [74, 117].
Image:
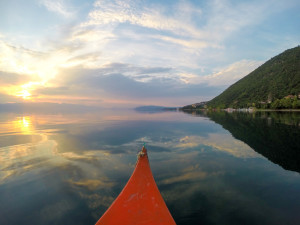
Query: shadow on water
[275, 135]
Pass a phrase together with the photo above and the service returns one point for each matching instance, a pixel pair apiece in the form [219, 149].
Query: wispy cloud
[232, 73]
[133, 12]
[59, 7]
[186, 20]
[224, 76]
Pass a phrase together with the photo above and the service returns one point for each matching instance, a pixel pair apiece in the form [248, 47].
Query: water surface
[214, 168]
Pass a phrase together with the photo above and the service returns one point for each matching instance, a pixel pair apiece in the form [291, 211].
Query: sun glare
[24, 94]
[25, 89]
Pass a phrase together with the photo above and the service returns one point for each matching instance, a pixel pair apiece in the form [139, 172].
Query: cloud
[73, 73]
[17, 59]
[159, 51]
[63, 90]
[225, 76]
[13, 78]
[11, 86]
[133, 12]
[70, 76]
[4, 98]
[59, 7]
[138, 73]
[185, 19]
[188, 43]
[124, 82]
[89, 34]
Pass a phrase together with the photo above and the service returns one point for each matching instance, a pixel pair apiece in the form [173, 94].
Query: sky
[113, 53]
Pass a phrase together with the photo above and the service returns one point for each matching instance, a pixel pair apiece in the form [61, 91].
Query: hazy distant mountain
[153, 108]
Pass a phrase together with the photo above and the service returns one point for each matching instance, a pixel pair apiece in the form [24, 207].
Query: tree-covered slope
[275, 79]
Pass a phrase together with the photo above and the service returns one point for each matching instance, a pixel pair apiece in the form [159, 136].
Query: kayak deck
[140, 202]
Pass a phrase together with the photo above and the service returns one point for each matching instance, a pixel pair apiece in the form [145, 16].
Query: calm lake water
[214, 168]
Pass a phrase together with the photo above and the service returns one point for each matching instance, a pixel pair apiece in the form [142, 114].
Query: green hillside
[265, 86]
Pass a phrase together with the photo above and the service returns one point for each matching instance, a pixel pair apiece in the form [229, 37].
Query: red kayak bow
[140, 202]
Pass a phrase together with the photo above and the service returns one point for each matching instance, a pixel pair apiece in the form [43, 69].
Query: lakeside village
[289, 102]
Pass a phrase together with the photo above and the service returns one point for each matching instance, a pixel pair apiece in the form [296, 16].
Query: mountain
[154, 109]
[277, 78]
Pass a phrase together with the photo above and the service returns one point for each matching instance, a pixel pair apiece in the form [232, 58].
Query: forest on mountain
[274, 85]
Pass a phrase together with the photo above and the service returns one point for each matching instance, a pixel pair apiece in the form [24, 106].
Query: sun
[24, 94]
[25, 89]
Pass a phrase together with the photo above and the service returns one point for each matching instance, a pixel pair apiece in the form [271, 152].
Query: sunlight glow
[25, 89]
[24, 94]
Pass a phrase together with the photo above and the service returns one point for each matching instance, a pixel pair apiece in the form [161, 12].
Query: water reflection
[63, 169]
[20, 124]
[24, 124]
[274, 135]
[220, 142]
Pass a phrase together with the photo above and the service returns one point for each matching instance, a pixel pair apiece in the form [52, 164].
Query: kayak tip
[142, 153]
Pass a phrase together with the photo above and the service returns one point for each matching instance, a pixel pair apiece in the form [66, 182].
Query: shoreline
[244, 110]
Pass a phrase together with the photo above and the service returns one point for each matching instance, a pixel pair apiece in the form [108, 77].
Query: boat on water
[140, 202]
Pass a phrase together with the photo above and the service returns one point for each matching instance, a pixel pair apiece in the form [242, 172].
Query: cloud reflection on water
[80, 163]
[220, 142]
[65, 145]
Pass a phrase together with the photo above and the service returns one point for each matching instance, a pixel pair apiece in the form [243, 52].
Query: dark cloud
[120, 85]
[131, 70]
[128, 68]
[111, 81]
[63, 90]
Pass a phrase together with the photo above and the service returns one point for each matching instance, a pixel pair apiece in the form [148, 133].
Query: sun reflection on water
[24, 125]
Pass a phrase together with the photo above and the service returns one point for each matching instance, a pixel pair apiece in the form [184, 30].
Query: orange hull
[140, 202]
